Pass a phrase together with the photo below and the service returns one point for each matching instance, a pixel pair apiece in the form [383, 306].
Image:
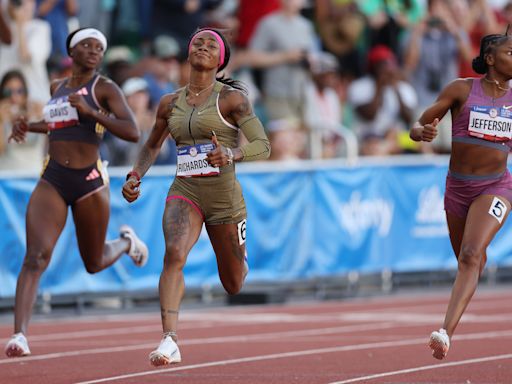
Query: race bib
[490, 123]
[192, 161]
[59, 113]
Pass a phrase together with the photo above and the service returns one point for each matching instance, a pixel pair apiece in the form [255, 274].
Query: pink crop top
[484, 120]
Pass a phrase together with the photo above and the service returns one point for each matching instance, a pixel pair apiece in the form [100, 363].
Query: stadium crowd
[318, 71]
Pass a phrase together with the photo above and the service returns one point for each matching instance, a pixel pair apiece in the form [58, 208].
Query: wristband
[230, 155]
[134, 174]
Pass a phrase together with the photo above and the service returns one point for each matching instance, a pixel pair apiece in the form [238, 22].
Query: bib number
[59, 113]
[192, 161]
[241, 231]
[490, 123]
[498, 209]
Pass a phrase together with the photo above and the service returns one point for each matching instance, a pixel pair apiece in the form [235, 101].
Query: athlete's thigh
[456, 227]
[181, 225]
[91, 215]
[228, 241]
[45, 218]
[486, 216]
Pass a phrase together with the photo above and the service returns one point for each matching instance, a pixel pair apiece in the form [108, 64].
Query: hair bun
[479, 65]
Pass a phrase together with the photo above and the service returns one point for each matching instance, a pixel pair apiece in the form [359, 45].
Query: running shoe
[138, 250]
[166, 353]
[17, 346]
[439, 343]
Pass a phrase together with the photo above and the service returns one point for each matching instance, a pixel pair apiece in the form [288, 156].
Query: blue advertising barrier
[305, 220]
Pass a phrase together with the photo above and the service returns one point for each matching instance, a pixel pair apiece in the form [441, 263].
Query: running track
[371, 340]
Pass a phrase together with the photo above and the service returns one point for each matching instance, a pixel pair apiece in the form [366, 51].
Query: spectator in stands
[388, 20]
[433, 50]
[121, 153]
[284, 84]
[59, 67]
[58, 14]
[249, 14]
[180, 18]
[383, 104]
[162, 70]
[15, 102]
[205, 119]
[82, 107]
[478, 19]
[97, 14]
[30, 48]
[478, 192]
[288, 137]
[341, 26]
[5, 30]
[323, 114]
[119, 63]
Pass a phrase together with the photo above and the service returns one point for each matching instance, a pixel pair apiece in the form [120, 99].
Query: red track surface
[375, 340]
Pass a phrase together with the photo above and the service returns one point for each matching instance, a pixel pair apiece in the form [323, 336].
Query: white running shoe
[138, 250]
[166, 353]
[439, 343]
[17, 346]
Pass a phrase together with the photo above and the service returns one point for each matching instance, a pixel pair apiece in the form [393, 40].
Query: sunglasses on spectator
[7, 92]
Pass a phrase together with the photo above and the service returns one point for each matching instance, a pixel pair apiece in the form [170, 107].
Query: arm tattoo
[242, 109]
[144, 160]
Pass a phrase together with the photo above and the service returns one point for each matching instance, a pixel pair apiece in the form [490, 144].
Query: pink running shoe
[17, 346]
[439, 343]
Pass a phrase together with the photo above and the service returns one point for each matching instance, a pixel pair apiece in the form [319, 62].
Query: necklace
[201, 91]
[497, 83]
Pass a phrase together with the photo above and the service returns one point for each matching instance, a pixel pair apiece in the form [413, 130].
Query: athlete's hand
[19, 130]
[218, 157]
[131, 189]
[429, 131]
[78, 101]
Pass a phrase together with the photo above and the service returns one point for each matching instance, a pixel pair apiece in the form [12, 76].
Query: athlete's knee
[470, 256]
[93, 262]
[93, 267]
[37, 261]
[232, 284]
[175, 257]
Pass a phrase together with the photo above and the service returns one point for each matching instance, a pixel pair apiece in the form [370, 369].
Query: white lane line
[370, 317]
[218, 319]
[425, 368]
[276, 356]
[211, 340]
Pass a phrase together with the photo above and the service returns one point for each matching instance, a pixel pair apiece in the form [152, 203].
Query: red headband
[217, 38]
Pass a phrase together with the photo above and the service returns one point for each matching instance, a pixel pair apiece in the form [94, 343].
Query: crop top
[64, 121]
[484, 120]
[190, 125]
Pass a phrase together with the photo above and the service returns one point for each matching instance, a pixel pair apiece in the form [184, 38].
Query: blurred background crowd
[328, 78]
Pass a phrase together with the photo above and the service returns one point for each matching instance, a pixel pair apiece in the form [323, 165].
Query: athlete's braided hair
[488, 45]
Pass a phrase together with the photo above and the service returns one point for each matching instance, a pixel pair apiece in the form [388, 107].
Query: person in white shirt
[383, 104]
[30, 47]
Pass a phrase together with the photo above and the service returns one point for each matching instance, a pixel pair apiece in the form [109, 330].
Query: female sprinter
[205, 119]
[81, 107]
[478, 185]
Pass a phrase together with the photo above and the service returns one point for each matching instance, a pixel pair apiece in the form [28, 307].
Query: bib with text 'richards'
[490, 123]
[192, 161]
